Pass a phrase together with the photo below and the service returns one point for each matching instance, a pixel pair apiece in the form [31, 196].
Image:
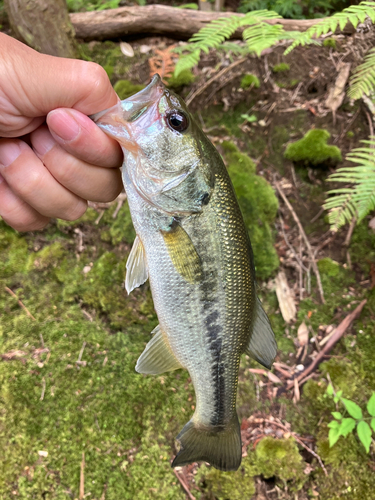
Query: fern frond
[358, 200]
[187, 61]
[261, 36]
[212, 35]
[363, 79]
[353, 14]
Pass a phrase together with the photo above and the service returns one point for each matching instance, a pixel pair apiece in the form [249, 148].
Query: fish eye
[177, 120]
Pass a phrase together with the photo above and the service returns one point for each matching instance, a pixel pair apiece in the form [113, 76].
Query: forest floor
[76, 421]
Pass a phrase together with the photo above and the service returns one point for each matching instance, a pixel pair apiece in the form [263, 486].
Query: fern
[363, 80]
[259, 35]
[353, 14]
[358, 200]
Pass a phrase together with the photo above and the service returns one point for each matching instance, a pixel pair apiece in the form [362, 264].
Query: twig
[79, 362]
[303, 234]
[301, 264]
[339, 332]
[41, 340]
[101, 213]
[19, 302]
[103, 494]
[316, 217]
[299, 441]
[199, 91]
[354, 117]
[184, 485]
[82, 478]
[120, 201]
[81, 351]
[43, 389]
[350, 232]
[221, 85]
[295, 93]
[370, 124]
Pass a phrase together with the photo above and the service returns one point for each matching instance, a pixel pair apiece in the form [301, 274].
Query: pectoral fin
[136, 266]
[262, 346]
[183, 254]
[158, 357]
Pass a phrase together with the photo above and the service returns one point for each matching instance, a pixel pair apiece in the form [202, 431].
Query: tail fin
[222, 449]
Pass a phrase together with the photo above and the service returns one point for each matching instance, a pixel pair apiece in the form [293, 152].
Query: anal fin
[157, 357]
[136, 266]
[183, 254]
[262, 346]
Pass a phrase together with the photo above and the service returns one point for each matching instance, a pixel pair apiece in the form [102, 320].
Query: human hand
[51, 170]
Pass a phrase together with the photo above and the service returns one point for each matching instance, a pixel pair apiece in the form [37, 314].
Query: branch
[162, 20]
[339, 332]
[303, 234]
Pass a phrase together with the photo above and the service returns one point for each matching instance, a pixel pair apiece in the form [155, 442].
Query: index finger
[79, 136]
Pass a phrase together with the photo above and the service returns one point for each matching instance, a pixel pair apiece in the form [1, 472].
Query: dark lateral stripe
[218, 368]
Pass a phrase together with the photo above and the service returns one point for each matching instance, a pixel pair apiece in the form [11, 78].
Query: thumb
[35, 83]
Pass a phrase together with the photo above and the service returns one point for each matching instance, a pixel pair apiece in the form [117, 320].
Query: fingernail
[63, 125]
[43, 141]
[9, 152]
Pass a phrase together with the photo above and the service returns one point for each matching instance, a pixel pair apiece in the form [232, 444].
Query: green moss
[186, 77]
[281, 458]
[125, 88]
[313, 149]
[249, 80]
[280, 68]
[109, 70]
[108, 54]
[350, 134]
[234, 485]
[122, 227]
[328, 267]
[329, 42]
[259, 206]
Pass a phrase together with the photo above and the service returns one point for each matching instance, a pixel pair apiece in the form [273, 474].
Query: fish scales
[193, 246]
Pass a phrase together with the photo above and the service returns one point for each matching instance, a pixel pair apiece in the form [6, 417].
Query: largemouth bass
[193, 246]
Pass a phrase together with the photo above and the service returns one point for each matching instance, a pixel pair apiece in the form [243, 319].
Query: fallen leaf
[126, 49]
[337, 92]
[285, 298]
[303, 334]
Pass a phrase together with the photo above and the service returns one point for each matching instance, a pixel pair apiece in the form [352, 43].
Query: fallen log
[161, 20]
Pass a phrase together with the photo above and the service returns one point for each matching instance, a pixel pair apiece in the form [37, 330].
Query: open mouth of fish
[126, 119]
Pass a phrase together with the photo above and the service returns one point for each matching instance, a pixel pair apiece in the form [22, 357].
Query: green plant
[280, 68]
[260, 35]
[363, 79]
[249, 80]
[354, 14]
[357, 199]
[313, 149]
[87, 5]
[343, 426]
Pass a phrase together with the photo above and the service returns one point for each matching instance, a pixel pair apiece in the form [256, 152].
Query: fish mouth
[123, 120]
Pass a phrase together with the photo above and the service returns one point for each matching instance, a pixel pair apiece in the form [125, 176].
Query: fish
[193, 246]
